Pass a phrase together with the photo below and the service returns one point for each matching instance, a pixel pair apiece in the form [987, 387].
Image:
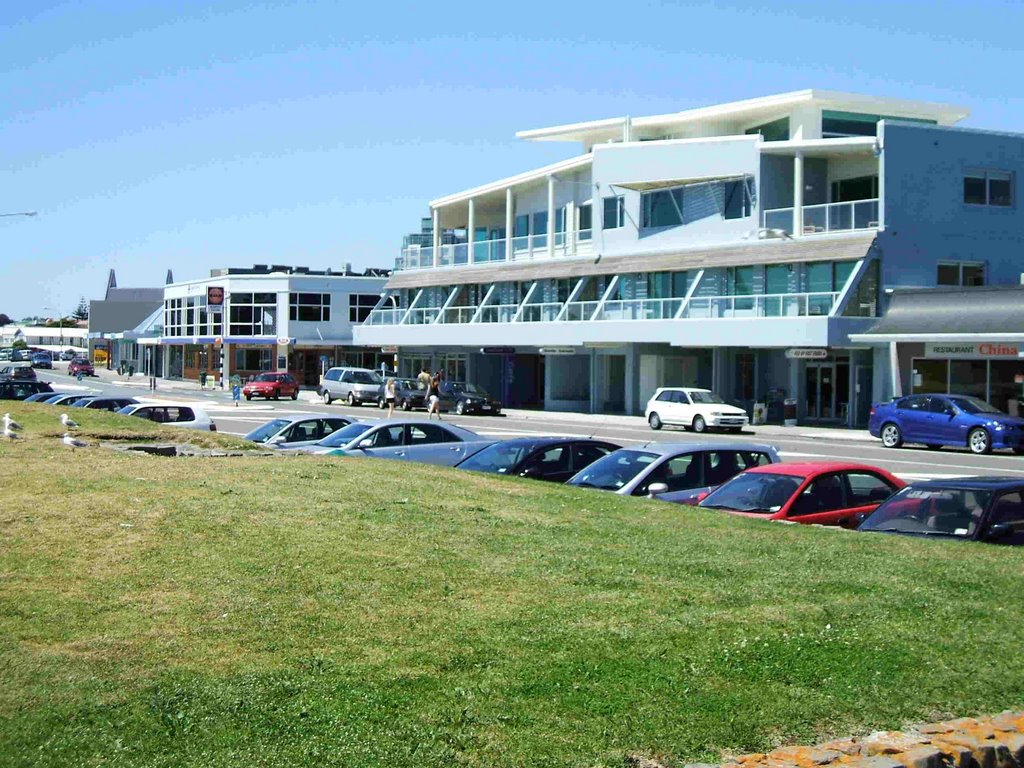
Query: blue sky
[185, 135]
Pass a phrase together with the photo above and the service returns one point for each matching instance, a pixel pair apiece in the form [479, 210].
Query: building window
[993, 188]
[836, 124]
[360, 305]
[309, 307]
[774, 131]
[253, 314]
[963, 273]
[614, 212]
[728, 199]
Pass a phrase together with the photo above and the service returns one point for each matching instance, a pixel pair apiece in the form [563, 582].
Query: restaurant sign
[979, 350]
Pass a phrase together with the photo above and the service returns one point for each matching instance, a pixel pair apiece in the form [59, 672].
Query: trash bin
[789, 412]
[202, 379]
[760, 415]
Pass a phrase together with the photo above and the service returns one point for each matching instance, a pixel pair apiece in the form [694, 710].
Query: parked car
[673, 471]
[409, 394]
[336, 439]
[298, 429]
[821, 492]
[43, 395]
[938, 420]
[391, 439]
[68, 399]
[353, 385]
[81, 366]
[693, 408]
[465, 397]
[105, 403]
[68, 354]
[21, 371]
[965, 508]
[555, 459]
[176, 415]
[41, 360]
[20, 390]
[272, 385]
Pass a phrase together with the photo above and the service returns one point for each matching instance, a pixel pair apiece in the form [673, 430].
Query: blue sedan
[938, 420]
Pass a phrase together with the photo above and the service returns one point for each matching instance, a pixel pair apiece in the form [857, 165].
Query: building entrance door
[828, 390]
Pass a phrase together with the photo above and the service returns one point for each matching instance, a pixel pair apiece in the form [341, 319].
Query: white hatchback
[172, 414]
[692, 408]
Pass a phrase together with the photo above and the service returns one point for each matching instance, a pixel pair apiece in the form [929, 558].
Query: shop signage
[283, 342]
[980, 350]
[389, 350]
[215, 297]
[810, 353]
[497, 350]
[557, 351]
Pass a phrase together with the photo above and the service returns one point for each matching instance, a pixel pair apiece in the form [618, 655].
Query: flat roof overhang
[496, 189]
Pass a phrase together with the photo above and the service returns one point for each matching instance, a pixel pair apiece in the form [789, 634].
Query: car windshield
[613, 471]
[498, 458]
[366, 377]
[127, 409]
[469, 389]
[410, 384]
[266, 377]
[267, 431]
[974, 405]
[345, 435]
[702, 398]
[754, 492]
[935, 511]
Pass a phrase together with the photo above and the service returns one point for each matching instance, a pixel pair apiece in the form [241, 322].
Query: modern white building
[265, 318]
[736, 246]
[55, 340]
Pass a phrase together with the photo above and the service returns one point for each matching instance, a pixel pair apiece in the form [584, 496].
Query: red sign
[214, 296]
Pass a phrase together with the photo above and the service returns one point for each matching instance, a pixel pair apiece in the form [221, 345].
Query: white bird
[10, 423]
[68, 422]
[10, 434]
[74, 442]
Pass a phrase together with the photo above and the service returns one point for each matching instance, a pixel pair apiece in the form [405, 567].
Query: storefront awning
[951, 314]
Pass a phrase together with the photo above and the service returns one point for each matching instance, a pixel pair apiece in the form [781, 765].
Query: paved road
[794, 443]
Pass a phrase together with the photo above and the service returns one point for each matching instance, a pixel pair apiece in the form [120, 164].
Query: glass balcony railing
[578, 311]
[541, 313]
[498, 313]
[640, 309]
[389, 316]
[829, 217]
[761, 305]
[422, 316]
[489, 251]
[458, 315]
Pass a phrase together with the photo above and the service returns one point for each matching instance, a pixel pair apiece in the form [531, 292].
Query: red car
[272, 385]
[822, 492]
[81, 366]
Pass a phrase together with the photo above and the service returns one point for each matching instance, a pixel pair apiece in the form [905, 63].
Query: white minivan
[172, 415]
[693, 408]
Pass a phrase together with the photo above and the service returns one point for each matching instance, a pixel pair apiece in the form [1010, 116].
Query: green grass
[303, 611]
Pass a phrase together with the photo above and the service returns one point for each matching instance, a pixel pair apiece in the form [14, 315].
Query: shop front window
[931, 376]
[1005, 394]
[968, 377]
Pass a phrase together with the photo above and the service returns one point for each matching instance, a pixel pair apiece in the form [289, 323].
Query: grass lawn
[266, 611]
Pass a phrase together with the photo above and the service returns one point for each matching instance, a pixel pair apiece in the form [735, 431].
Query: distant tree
[19, 344]
[82, 310]
[4, 319]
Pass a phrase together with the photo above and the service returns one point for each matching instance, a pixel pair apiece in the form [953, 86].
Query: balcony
[525, 248]
[761, 305]
[829, 217]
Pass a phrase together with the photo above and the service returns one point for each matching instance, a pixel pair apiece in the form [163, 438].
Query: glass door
[820, 380]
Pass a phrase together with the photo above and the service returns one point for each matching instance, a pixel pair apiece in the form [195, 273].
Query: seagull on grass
[10, 434]
[10, 424]
[67, 422]
[73, 442]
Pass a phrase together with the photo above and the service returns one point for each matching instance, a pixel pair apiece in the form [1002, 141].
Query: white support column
[607, 292]
[526, 299]
[798, 195]
[510, 222]
[894, 370]
[437, 237]
[570, 228]
[483, 303]
[572, 297]
[551, 217]
[470, 231]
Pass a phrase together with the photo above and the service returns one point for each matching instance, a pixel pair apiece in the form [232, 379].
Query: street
[794, 443]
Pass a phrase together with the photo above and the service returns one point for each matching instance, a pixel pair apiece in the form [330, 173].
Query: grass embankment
[307, 611]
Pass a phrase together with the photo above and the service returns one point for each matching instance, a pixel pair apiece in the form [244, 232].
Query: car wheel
[460, 408]
[736, 430]
[934, 447]
[326, 396]
[248, 397]
[655, 421]
[405, 405]
[699, 425]
[891, 436]
[381, 404]
[979, 441]
[352, 400]
[1019, 451]
[295, 395]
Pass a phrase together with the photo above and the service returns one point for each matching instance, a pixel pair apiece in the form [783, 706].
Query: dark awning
[953, 313]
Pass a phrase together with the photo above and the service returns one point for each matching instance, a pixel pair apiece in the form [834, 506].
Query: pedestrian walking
[434, 397]
[390, 393]
[424, 377]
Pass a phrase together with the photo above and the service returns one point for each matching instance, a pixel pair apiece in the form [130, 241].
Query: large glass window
[864, 302]
[586, 215]
[729, 199]
[993, 188]
[777, 130]
[967, 377]
[311, 307]
[837, 124]
[614, 212]
[968, 273]
[253, 314]
[360, 305]
[860, 188]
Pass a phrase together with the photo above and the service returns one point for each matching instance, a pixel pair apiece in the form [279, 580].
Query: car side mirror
[656, 489]
[276, 439]
[998, 531]
[367, 443]
[532, 472]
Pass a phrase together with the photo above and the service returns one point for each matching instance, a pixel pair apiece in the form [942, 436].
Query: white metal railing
[458, 314]
[761, 305]
[541, 313]
[385, 316]
[498, 313]
[489, 250]
[639, 309]
[828, 217]
[525, 247]
[422, 315]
